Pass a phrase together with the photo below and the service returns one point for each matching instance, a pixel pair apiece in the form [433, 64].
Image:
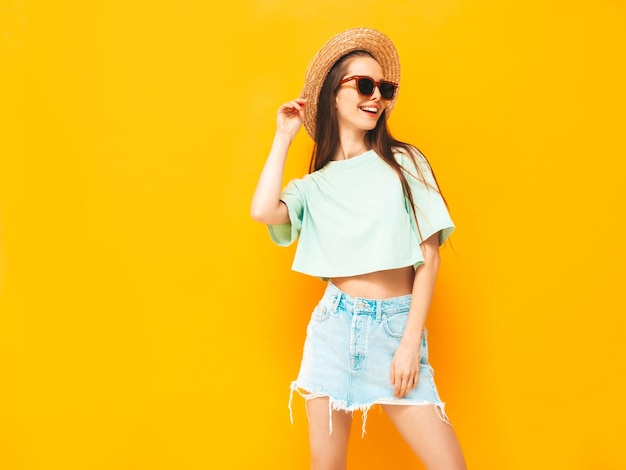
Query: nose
[376, 95]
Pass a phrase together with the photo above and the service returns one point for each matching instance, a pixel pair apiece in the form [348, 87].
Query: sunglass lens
[387, 90]
[366, 86]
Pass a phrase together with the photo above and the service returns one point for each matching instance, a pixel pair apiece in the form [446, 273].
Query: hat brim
[356, 39]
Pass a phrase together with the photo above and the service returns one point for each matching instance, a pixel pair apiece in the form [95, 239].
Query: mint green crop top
[352, 217]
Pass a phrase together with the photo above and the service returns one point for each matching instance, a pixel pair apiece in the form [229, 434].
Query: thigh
[431, 439]
[329, 446]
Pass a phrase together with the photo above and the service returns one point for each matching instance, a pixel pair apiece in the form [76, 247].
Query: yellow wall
[147, 323]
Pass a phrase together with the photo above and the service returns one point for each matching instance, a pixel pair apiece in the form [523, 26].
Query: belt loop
[379, 312]
[336, 300]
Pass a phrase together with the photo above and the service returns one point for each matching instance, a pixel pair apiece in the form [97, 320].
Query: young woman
[370, 219]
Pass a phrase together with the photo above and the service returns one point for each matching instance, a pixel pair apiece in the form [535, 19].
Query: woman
[370, 220]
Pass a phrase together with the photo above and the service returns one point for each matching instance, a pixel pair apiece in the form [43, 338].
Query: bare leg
[432, 440]
[328, 450]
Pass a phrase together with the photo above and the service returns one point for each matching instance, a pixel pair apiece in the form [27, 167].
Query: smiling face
[355, 112]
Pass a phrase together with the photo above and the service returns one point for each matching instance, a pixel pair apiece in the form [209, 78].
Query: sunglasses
[366, 86]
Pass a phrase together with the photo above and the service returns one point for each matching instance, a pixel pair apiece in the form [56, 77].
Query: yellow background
[147, 323]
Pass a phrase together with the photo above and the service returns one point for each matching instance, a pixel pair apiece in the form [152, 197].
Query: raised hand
[290, 116]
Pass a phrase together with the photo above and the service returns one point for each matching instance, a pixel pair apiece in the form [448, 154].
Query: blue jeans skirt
[348, 350]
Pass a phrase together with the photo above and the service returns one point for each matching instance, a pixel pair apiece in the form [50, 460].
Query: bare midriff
[379, 284]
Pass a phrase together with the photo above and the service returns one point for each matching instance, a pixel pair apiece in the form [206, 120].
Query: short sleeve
[286, 234]
[431, 210]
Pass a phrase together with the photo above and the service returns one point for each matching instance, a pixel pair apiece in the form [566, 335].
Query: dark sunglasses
[366, 86]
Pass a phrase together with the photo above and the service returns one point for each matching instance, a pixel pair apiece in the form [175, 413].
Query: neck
[347, 154]
[349, 148]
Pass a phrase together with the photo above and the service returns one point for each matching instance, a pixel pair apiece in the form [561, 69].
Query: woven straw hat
[357, 39]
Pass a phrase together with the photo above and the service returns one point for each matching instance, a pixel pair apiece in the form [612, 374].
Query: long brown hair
[379, 139]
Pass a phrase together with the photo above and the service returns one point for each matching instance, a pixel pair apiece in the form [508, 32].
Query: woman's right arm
[266, 205]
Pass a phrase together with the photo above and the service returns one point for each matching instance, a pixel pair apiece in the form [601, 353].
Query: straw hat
[365, 39]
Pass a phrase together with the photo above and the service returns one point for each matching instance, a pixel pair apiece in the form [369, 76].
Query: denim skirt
[348, 350]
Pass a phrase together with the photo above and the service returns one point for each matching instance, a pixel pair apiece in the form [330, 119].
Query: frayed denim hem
[342, 405]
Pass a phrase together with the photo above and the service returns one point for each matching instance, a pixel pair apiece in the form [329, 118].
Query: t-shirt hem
[371, 269]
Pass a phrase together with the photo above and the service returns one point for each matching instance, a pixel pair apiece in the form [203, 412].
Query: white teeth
[370, 109]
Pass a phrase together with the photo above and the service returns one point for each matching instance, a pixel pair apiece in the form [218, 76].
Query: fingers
[290, 116]
[403, 384]
[293, 106]
[404, 372]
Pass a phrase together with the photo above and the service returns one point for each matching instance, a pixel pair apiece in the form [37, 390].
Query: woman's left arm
[405, 366]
